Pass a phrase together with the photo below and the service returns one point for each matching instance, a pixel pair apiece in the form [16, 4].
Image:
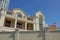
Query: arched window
[19, 14]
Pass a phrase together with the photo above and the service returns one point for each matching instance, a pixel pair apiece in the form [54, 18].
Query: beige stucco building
[29, 28]
[17, 18]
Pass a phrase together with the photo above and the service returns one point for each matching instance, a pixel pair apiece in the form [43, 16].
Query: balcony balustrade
[13, 14]
[9, 13]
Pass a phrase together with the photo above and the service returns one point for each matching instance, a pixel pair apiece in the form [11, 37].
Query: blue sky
[50, 8]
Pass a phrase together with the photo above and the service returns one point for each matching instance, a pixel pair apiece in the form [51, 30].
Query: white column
[34, 28]
[2, 20]
[15, 23]
[34, 25]
[26, 23]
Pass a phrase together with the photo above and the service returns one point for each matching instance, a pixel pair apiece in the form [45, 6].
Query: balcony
[15, 15]
[29, 26]
[9, 13]
[30, 20]
[9, 22]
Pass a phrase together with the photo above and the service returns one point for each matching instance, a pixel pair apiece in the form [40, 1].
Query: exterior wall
[31, 35]
[54, 35]
[5, 36]
[23, 35]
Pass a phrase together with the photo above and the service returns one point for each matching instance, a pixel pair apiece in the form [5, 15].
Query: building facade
[17, 18]
[4, 4]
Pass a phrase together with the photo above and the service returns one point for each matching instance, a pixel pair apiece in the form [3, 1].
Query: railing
[9, 13]
[30, 19]
[13, 14]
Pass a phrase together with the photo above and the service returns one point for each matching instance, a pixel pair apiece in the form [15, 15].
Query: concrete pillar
[15, 23]
[34, 25]
[34, 28]
[26, 23]
[2, 18]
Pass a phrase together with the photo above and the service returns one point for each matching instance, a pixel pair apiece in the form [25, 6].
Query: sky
[50, 9]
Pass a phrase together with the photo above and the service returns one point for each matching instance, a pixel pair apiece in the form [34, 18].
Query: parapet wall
[31, 35]
[23, 35]
[54, 34]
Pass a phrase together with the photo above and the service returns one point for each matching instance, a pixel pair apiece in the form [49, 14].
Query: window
[19, 14]
[19, 25]
[40, 22]
[7, 23]
[40, 27]
[40, 19]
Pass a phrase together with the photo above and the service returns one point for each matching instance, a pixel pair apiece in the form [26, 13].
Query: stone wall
[31, 35]
[5, 36]
[23, 35]
[54, 35]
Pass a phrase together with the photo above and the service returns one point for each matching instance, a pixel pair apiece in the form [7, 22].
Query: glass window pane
[19, 14]
[40, 19]
[40, 22]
